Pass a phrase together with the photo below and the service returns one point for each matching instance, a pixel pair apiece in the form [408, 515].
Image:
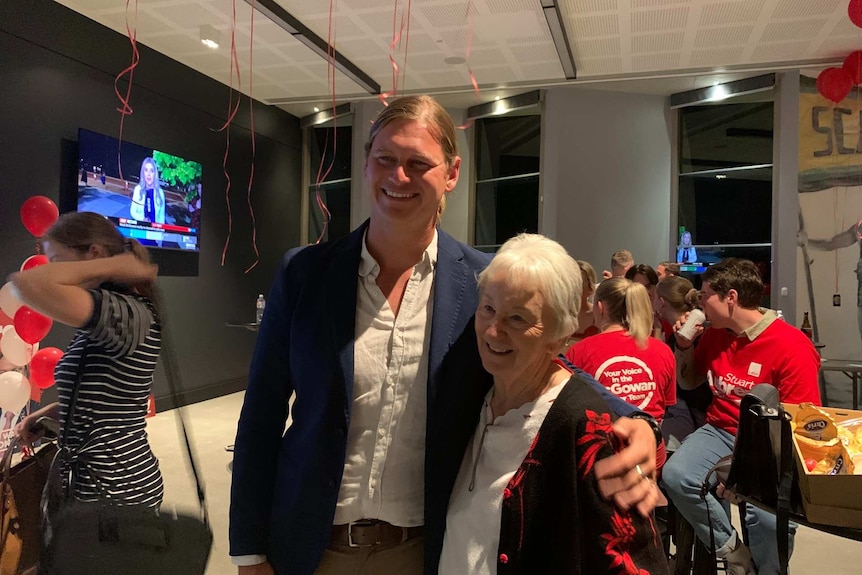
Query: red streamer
[126, 109]
[253, 148]
[467, 50]
[232, 109]
[321, 173]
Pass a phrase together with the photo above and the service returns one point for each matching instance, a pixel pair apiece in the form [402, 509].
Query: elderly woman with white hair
[526, 498]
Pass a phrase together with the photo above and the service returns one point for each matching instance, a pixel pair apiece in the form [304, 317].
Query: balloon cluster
[22, 328]
[835, 84]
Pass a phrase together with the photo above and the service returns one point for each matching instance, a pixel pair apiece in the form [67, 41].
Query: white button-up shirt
[384, 470]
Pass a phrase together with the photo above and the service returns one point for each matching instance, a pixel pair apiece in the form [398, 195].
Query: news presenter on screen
[686, 253]
[351, 467]
[148, 198]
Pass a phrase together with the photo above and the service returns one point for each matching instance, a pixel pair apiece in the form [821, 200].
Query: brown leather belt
[371, 532]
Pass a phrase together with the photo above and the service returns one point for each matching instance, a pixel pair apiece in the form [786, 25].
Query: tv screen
[150, 195]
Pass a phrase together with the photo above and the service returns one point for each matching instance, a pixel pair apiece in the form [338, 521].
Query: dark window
[507, 179]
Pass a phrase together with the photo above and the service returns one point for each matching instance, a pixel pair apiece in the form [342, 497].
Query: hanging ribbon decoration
[322, 174]
[126, 109]
[232, 109]
[467, 50]
[253, 148]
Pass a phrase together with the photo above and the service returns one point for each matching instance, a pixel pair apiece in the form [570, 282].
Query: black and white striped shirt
[107, 430]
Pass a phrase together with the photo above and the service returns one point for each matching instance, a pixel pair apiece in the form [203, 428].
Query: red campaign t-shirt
[780, 355]
[645, 378]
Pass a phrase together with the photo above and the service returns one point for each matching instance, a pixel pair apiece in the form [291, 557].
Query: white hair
[537, 260]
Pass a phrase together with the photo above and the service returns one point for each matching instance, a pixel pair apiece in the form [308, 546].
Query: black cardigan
[453, 413]
[553, 519]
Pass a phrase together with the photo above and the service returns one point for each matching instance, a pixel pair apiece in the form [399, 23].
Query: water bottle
[260, 305]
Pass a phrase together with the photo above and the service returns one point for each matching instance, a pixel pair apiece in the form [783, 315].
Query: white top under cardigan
[473, 520]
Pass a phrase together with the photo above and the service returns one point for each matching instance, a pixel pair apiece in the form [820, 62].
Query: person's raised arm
[60, 290]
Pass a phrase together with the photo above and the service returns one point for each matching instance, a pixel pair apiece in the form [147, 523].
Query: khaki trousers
[401, 559]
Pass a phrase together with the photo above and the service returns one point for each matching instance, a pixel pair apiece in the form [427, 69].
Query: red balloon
[34, 262]
[4, 319]
[42, 367]
[853, 64]
[854, 10]
[30, 325]
[834, 84]
[38, 214]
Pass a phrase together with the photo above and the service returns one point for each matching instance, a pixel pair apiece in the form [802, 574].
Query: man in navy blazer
[286, 484]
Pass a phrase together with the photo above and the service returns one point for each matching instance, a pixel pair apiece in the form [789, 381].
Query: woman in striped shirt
[101, 283]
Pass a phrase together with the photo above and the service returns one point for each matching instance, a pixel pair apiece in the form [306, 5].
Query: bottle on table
[806, 327]
[260, 305]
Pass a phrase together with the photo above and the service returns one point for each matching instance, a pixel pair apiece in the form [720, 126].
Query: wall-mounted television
[150, 195]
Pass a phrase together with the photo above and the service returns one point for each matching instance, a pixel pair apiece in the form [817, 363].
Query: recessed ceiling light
[454, 60]
[496, 98]
[210, 36]
[316, 109]
[720, 177]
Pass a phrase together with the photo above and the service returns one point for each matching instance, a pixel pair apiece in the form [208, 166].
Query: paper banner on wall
[830, 149]
[829, 282]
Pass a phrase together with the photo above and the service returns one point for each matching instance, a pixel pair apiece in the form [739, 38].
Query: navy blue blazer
[285, 484]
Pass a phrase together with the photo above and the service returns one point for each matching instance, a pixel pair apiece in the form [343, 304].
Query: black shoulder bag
[98, 538]
[761, 469]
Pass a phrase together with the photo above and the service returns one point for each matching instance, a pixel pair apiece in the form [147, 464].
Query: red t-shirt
[645, 378]
[780, 355]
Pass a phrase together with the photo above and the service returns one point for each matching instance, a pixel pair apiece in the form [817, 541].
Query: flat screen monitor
[150, 195]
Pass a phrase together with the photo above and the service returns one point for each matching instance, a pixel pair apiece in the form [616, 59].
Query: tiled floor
[213, 425]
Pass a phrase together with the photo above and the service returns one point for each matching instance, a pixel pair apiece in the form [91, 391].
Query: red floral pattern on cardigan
[599, 433]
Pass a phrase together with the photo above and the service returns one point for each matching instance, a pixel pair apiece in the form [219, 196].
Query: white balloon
[14, 349]
[8, 302]
[14, 391]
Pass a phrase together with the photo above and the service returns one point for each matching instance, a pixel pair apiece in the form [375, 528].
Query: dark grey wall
[57, 72]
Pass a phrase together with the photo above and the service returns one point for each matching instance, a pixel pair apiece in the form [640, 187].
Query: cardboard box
[830, 499]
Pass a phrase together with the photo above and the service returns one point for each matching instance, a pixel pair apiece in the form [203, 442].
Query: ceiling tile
[532, 53]
[600, 48]
[731, 12]
[599, 66]
[726, 36]
[795, 8]
[780, 51]
[188, 14]
[442, 15]
[716, 56]
[793, 30]
[608, 25]
[654, 3]
[642, 44]
[655, 20]
[651, 62]
[585, 6]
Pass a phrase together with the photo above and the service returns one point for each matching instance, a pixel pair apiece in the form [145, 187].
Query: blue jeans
[682, 476]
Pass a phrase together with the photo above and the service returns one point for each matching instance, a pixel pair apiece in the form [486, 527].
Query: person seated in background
[635, 367]
[621, 261]
[665, 269]
[525, 498]
[586, 321]
[647, 277]
[644, 275]
[674, 297]
[743, 346]
[685, 252]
